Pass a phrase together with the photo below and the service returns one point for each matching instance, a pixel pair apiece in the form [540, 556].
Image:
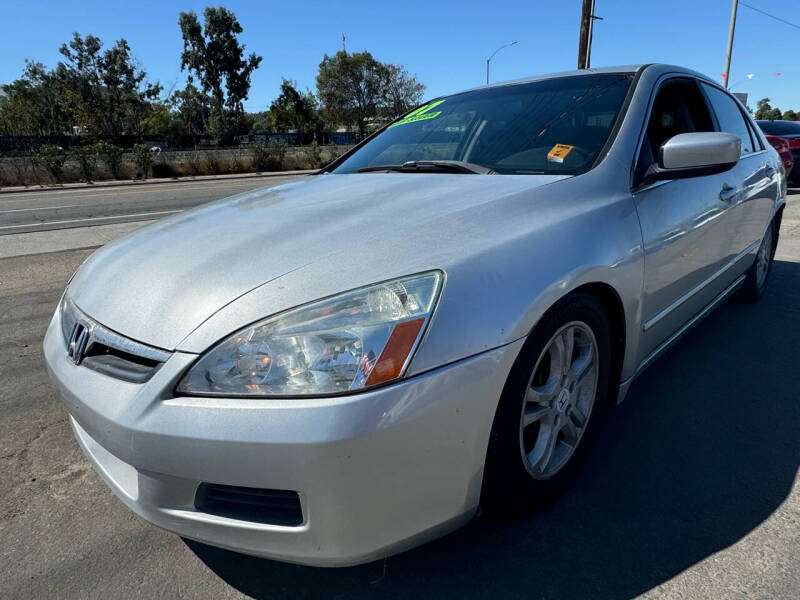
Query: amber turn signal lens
[390, 362]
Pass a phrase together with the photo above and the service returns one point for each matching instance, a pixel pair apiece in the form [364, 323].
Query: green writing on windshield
[421, 114]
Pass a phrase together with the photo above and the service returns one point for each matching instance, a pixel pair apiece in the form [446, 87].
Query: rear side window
[757, 143]
[729, 116]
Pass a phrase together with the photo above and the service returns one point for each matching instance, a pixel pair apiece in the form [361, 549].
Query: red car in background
[785, 138]
[784, 151]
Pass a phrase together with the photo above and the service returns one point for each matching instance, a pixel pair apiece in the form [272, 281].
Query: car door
[685, 229]
[752, 203]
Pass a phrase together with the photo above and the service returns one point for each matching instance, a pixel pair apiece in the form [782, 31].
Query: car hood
[159, 283]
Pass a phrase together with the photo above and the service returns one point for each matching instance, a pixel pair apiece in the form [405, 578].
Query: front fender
[498, 296]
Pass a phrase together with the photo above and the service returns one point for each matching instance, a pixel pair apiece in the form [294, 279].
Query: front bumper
[376, 472]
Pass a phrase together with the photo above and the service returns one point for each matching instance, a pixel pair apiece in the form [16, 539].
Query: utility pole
[591, 32]
[583, 42]
[587, 28]
[726, 75]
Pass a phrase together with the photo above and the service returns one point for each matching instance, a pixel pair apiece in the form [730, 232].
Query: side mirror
[694, 155]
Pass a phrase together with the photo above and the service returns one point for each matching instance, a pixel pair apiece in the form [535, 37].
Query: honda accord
[339, 368]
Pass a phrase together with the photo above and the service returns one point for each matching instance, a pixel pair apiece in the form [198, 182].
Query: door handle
[769, 171]
[728, 193]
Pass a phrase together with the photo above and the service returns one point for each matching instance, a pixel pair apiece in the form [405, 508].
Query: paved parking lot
[691, 490]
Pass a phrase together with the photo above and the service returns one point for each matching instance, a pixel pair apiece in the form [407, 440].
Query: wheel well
[612, 304]
[497, 467]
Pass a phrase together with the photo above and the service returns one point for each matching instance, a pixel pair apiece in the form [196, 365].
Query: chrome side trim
[689, 324]
[698, 288]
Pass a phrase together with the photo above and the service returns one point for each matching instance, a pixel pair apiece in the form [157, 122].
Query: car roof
[630, 69]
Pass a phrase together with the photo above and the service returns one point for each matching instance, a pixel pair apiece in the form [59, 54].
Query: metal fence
[23, 144]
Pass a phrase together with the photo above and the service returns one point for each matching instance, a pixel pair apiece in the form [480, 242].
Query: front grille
[96, 347]
[271, 507]
[120, 364]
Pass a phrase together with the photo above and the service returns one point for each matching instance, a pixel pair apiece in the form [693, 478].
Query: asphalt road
[690, 491]
[28, 211]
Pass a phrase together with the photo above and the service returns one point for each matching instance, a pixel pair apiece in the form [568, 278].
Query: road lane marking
[43, 223]
[152, 188]
[40, 208]
[102, 193]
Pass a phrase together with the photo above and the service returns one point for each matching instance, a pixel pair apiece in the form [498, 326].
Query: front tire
[551, 405]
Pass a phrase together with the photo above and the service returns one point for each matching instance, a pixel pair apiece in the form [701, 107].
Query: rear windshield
[779, 127]
[554, 126]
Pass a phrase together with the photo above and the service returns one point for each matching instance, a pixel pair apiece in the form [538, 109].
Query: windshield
[780, 127]
[554, 126]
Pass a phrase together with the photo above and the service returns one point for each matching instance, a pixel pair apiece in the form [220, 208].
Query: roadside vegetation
[103, 161]
[97, 115]
[765, 111]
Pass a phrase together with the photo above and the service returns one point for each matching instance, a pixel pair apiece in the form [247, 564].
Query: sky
[445, 43]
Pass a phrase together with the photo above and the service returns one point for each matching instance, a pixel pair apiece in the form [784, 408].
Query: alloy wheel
[559, 399]
[763, 258]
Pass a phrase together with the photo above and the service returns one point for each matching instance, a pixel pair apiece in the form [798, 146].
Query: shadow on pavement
[704, 449]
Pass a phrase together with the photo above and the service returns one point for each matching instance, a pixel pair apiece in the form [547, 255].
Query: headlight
[347, 342]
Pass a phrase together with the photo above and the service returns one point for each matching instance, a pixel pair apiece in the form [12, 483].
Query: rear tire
[551, 406]
[757, 277]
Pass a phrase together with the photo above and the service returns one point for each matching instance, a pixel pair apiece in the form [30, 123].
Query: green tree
[191, 111]
[765, 111]
[34, 104]
[356, 88]
[259, 122]
[105, 91]
[158, 123]
[402, 91]
[791, 115]
[213, 53]
[351, 87]
[293, 110]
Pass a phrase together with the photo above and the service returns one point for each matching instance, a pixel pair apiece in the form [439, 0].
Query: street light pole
[726, 75]
[749, 76]
[492, 56]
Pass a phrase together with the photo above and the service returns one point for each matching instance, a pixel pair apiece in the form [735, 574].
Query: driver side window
[679, 107]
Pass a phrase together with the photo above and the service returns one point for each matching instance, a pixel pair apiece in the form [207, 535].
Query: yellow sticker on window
[559, 152]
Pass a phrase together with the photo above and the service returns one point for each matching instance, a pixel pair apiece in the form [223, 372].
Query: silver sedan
[333, 370]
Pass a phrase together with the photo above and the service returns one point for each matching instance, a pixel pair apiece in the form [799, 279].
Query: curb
[119, 183]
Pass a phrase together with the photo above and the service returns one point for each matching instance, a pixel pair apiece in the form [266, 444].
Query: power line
[766, 14]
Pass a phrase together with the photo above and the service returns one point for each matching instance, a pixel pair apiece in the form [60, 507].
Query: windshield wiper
[431, 166]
